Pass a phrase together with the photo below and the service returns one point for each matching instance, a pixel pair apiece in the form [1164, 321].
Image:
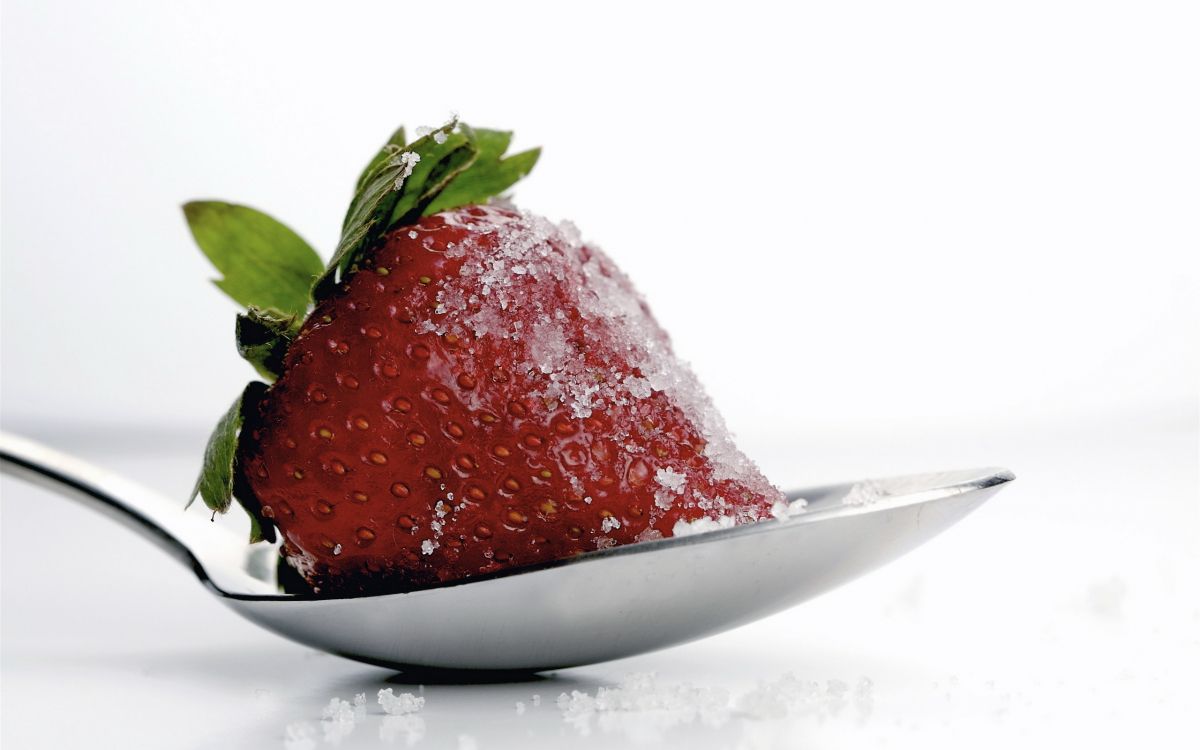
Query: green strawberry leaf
[264, 263]
[256, 530]
[217, 479]
[440, 163]
[403, 179]
[397, 141]
[452, 166]
[263, 337]
[490, 175]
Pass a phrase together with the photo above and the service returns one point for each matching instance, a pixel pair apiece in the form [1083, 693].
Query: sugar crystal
[406, 160]
[671, 480]
[791, 696]
[337, 720]
[338, 710]
[405, 703]
[864, 493]
[643, 707]
[784, 510]
[702, 525]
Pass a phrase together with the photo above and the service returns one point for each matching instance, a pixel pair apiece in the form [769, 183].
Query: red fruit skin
[376, 432]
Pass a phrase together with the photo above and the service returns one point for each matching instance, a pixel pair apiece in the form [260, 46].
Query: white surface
[1064, 613]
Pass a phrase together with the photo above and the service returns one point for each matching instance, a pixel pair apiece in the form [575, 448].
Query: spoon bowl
[600, 605]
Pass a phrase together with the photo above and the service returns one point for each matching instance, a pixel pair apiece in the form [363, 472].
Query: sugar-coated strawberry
[474, 389]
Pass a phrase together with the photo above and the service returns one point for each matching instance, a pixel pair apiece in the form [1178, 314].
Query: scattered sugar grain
[404, 703]
[648, 535]
[338, 710]
[337, 720]
[702, 525]
[671, 480]
[641, 699]
[641, 702]
[864, 493]
[791, 696]
[786, 510]
[406, 160]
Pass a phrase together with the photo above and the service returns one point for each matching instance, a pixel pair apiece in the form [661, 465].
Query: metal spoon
[598, 606]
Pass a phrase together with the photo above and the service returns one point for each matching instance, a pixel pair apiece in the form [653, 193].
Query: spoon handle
[125, 502]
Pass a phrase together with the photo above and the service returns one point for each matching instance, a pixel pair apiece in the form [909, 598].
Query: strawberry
[474, 389]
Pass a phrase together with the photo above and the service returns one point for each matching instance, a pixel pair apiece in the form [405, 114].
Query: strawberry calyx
[263, 336]
[277, 278]
[219, 478]
[454, 165]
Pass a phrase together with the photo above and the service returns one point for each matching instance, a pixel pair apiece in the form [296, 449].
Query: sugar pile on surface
[338, 710]
[340, 717]
[791, 696]
[405, 703]
[645, 705]
[656, 706]
[337, 720]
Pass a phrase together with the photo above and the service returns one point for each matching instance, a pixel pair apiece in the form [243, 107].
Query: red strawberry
[481, 391]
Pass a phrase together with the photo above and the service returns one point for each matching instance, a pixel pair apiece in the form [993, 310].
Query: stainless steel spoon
[598, 606]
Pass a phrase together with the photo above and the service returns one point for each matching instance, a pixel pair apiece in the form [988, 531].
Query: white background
[890, 237]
